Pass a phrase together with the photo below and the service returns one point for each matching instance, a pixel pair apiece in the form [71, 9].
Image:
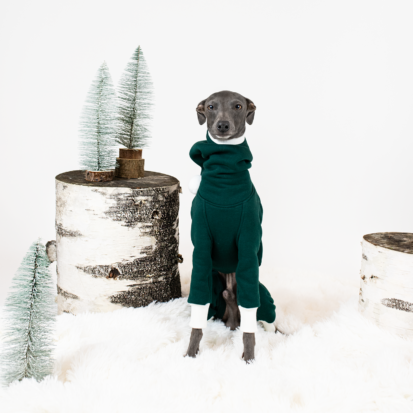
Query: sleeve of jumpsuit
[201, 277]
[200, 295]
[249, 260]
[249, 254]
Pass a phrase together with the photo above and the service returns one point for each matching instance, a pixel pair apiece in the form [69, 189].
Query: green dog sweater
[224, 171]
[226, 229]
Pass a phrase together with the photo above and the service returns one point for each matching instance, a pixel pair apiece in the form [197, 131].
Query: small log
[130, 168]
[130, 164]
[100, 176]
[386, 286]
[130, 153]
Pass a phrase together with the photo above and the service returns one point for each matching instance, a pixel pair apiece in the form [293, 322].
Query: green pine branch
[135, 94]
[97, 124]
[30, 315]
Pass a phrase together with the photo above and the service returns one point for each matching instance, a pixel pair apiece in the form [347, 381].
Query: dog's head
[226, 113]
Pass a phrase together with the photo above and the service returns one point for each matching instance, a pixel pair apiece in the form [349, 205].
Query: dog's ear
[250, 111]
[200, 111]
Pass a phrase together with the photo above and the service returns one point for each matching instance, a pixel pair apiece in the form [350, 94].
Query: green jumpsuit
[226, 230]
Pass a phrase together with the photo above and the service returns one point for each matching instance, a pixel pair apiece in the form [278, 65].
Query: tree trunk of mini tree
[130, 164]
[116, 242]
[386, 288]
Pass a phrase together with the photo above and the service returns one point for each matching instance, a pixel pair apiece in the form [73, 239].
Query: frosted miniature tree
[134, 103]
[29, 314]
[97, 124]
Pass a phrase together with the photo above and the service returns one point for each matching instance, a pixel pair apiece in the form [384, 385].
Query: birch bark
[116, 242]
[386, 287]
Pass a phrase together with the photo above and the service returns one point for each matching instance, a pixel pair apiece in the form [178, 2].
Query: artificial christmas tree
[134, 104]
[97, 130]
[30, 316]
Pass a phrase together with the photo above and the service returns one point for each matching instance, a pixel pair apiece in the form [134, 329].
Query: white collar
[235, 141]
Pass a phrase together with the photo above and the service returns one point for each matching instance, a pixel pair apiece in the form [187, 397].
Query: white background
[332, 137]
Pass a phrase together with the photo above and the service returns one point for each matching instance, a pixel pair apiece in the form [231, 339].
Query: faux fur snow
[131, 360]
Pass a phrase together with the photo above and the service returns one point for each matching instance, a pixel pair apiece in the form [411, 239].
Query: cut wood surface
[386, 289]
[396, 241]
[116, 242]
[100, 176]
[151, 180]
[130, 168]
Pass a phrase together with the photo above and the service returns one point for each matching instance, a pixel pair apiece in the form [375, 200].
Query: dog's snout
[223, 125]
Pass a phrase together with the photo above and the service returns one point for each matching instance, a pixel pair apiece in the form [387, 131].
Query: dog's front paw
[193, 348]
[192, 352]
[249, 347]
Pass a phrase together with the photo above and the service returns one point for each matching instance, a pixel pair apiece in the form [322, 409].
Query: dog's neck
[235, 141]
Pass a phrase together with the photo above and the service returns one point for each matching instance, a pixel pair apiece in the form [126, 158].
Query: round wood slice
[100, 176]
[386, 289]
[116, 242]
[130, 168]
[130, 153]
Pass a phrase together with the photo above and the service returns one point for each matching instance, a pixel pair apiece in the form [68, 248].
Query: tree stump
[386, 290]
[116, 242]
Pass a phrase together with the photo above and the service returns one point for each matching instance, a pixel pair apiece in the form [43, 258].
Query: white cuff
[268, 326]
[199, 315]
[194, 184]
[248, 319]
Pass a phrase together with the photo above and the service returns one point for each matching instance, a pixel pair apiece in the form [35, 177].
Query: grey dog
[225, 121]
[226, 114]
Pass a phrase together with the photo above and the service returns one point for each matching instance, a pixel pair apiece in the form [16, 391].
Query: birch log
[386, 290]
[116, 242]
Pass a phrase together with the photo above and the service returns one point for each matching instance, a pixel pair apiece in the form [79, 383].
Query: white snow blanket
[131, 360]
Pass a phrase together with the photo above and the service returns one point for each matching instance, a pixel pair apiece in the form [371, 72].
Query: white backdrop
[332, 137]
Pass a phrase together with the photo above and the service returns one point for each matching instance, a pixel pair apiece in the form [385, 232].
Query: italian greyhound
[226, 114]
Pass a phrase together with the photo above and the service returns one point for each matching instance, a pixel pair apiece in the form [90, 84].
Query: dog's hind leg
[232, 316]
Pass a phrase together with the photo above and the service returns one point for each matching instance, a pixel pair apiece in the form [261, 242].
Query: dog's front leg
[199, 317]
[249, 346]
[194, 341]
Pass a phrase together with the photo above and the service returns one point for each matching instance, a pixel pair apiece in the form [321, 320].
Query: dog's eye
[210, 107]
[238, 107]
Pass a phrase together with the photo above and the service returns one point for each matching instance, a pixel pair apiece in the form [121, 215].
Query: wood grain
[99, 176]
[130, 153]
[130, 168]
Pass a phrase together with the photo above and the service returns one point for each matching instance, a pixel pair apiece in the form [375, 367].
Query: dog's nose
[223, 125]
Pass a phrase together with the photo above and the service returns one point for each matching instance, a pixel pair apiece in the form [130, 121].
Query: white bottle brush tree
[30, 315]
[133, 117]
[97, 126]
[134, 103]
